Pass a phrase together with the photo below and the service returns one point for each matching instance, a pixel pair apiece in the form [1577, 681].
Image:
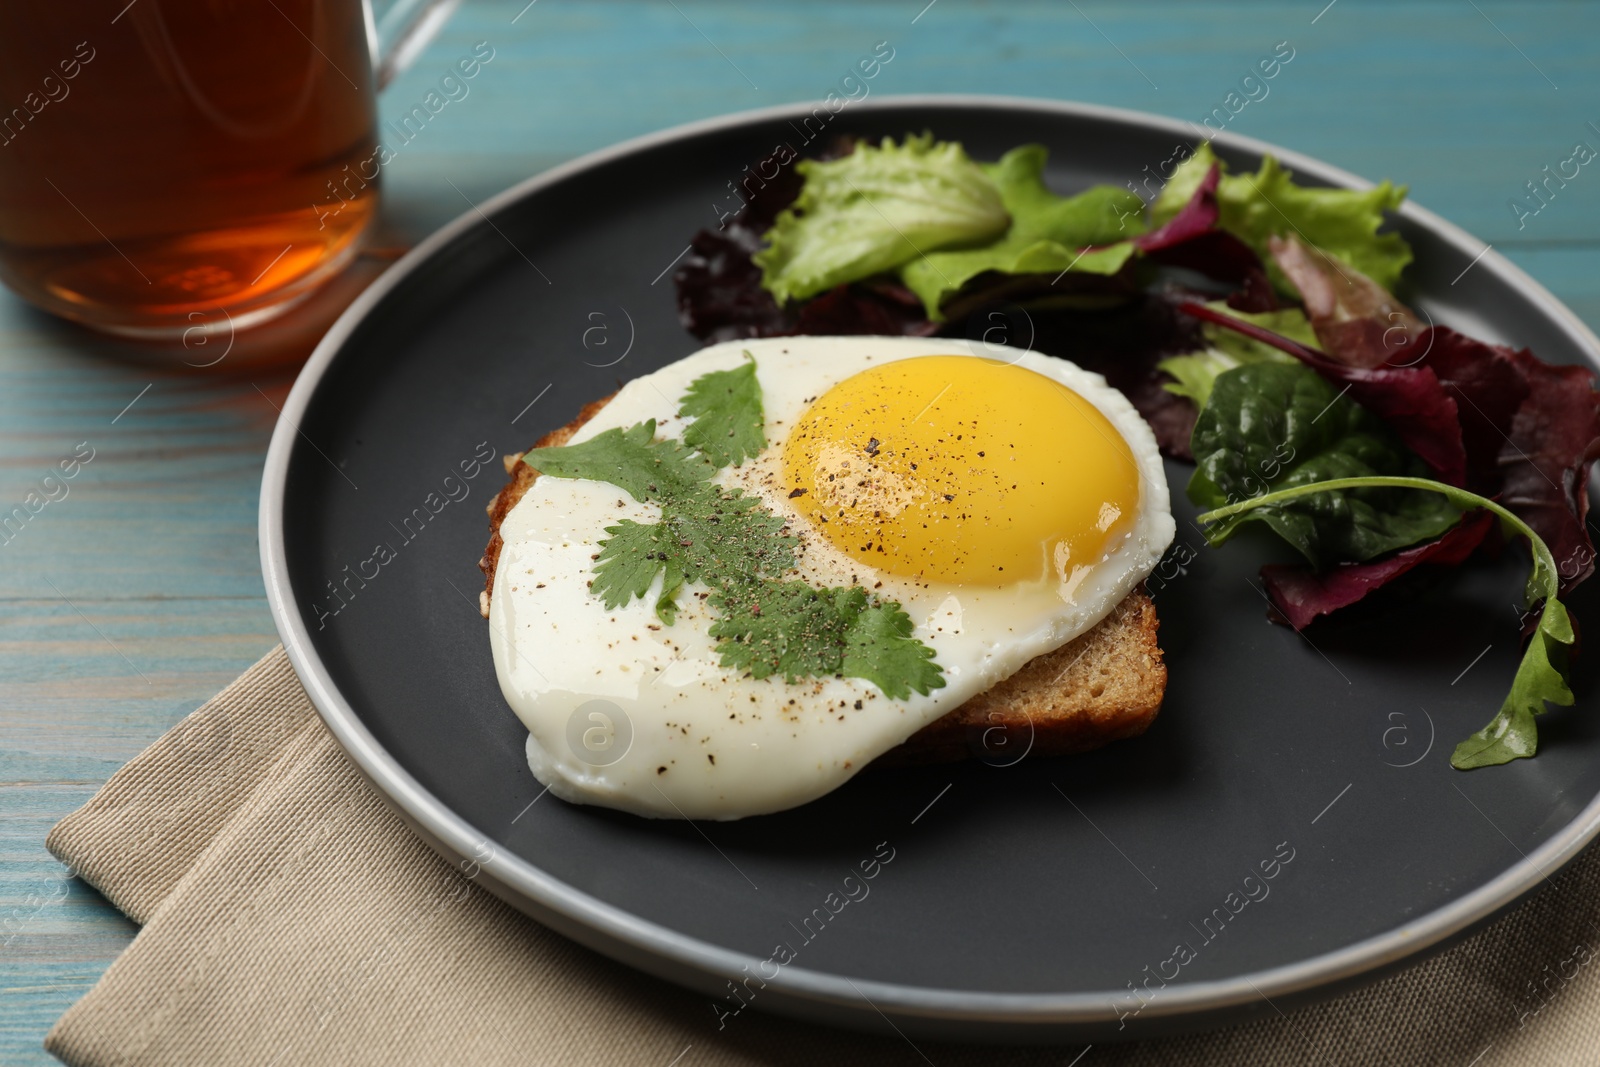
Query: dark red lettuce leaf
[1190, 239]
[1528, 430]
[1216, 254]
[1170, 416]
[1410, 399]
[720, 297]
[1532, 430]
[1356, 320]
[1489, 389]
[881, 307]
[1255, 294]
[1554, 438]
[1301, 594]
[1196, 217]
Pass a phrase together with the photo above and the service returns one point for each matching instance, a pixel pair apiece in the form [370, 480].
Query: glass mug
[168, 165]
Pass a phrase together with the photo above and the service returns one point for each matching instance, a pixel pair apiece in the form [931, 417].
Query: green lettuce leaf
[1048, 233]
[1196, 372]
[1341, 222]
[874, 210]
[1541, 677]
[1272, 426]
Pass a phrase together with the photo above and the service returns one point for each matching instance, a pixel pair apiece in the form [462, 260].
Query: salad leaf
[1531, 430]
[1411, 400]
[1197, 217]
[1357, 321]
[719, 289]
[767, 623]
[728, 426]
[1541, 676]
[1271, 426]
[1301, 594]
[1190, 239]
[1049, 234]
[1500, 421]
[1285, 322]
[1195, 373]
[1341, 222]
[874, 210]
[875, 307]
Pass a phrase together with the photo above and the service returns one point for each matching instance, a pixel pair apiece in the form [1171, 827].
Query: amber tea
[166, 165]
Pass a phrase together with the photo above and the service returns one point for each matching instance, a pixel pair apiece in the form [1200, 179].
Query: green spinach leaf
[1195, 373]
[1271, 426]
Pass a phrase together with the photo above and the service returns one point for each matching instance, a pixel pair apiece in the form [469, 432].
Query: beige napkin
[291, 919]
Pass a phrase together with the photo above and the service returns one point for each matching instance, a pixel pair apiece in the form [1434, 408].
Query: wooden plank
[1428, 93]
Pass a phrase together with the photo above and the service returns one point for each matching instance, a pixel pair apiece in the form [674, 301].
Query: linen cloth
[291, 919]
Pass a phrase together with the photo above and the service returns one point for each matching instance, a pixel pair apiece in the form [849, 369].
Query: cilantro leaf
[629, 458]
[629, 561]
[1341, 222]
[725, 533]
[792, 629]
[1541, 676]
[767, 623]
[786, 628]
[879, 647]
[710, 531]
[729, 426]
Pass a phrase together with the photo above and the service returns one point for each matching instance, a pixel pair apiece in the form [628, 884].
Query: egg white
[680, 736]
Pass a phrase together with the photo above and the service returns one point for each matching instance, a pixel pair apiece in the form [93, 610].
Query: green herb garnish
[731, 543]
[1541, 677]
[726, 408]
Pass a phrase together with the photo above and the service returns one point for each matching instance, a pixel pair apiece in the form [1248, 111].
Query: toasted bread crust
[1102, 686]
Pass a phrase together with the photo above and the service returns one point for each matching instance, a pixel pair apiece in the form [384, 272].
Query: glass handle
[398, 31]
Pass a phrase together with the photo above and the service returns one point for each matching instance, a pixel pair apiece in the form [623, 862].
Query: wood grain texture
[129, 601]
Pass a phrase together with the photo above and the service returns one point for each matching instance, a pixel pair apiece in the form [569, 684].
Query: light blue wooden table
[137, 596]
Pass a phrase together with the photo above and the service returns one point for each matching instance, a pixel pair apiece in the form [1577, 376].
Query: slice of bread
[1102, 686]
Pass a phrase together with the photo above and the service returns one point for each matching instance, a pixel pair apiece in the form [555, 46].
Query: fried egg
[1006, 504]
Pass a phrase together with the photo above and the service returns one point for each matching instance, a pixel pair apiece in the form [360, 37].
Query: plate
[1289, 827]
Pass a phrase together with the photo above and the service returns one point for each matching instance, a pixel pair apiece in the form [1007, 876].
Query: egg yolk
[964, 470]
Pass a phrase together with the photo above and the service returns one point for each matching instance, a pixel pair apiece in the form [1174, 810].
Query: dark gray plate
[1020, 902]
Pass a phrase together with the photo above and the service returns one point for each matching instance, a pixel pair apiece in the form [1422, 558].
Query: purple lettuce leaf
[1300, 594]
